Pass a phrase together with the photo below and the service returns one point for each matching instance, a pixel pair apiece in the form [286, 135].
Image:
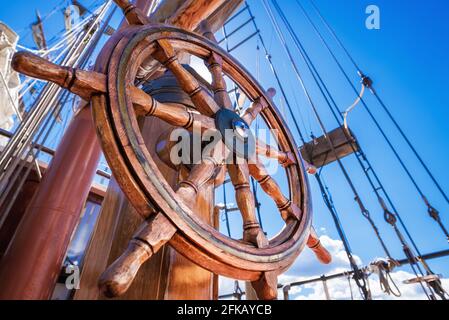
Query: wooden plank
[97, 254]
[319, 153]
[187, 280]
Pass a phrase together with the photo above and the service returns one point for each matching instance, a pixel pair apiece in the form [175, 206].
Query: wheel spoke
[200, 174]
[253, 111]
[316, 246]
[215, 66]
[258, 106]
[166, 55]
[287, 208]
[252, 232]
[284, 158]
[133, 15]
[80, 82]
[174, 114]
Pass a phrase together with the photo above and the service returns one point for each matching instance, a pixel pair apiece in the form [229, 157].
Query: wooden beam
[319, 153]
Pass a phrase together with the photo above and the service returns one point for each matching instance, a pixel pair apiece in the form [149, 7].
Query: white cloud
[307, 266]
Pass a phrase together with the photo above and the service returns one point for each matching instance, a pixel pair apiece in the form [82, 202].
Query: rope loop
[390, 217]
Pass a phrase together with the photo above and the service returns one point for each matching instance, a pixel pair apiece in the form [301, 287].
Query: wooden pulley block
[117, 103]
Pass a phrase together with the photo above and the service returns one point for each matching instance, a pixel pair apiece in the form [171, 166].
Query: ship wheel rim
[113, 114]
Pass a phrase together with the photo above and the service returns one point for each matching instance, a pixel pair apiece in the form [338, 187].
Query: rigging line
[25, 127]
[19, 116]
[254, 186]
[320, 83]
[226, 38]
[387, 140]
[423, 164]
[357, 198]
[84, 57]
[21, 139]
[72, 38]
[366, 215]
[360, 155]
[24, 176]
[29, 82]
[334, 35]
[45, 17]
[386, 109]
[359, 276]
[62, 36]
[360, 280]
[228, 228]
[389, 217]
[296, 101]
[276, 76]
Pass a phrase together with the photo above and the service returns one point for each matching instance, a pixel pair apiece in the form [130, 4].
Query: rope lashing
[438, 288]
[435, 215]
[383, 267]
[238, 292]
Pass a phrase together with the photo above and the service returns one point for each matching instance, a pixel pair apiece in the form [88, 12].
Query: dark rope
[398, 157]
[386, 109]
[359, 276]
[357, 198]
[389, 217]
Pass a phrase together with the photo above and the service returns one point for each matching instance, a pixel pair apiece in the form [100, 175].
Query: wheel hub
[235, 133]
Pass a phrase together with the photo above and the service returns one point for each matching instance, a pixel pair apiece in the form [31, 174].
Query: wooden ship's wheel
[117, 103]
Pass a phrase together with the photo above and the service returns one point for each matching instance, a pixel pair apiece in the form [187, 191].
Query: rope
[366, 82]
[350, 108]
[228, 228]
[357, 198]
[238, 292]
[383, 268]
[296, 125]
[386, 109]
[373, 118]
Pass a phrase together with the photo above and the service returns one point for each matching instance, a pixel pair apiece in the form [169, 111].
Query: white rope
[350, 108]
[30, 82]
[62, 38]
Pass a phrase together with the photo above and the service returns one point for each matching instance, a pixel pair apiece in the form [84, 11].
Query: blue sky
[406, 58]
